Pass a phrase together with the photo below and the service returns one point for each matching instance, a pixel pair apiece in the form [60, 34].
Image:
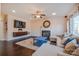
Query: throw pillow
[68, 40]
[76, 52]
[69, 48]
[74, 42]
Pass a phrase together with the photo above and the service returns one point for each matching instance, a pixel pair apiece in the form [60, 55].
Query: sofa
[53, 50]
[49, 50]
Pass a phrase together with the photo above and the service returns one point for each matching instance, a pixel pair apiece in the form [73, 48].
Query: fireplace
[46, 33]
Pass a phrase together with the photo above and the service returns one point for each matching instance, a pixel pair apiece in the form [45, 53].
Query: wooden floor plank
[12, 49]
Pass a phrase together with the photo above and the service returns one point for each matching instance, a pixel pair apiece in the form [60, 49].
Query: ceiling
[25, 10]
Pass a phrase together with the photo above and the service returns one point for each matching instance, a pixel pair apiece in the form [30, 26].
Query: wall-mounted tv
[19, 24]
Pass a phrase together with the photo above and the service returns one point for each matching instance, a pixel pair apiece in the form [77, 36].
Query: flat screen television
[19, 24]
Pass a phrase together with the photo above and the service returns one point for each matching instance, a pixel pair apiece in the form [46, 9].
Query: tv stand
[16, 34]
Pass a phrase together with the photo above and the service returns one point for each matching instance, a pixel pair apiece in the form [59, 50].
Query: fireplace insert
[46, 33]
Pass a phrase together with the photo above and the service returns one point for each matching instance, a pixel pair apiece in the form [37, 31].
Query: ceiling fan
[38, 14]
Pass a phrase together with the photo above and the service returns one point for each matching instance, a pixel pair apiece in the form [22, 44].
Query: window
[74, 25]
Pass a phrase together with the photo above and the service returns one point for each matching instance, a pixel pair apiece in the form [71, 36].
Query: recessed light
[38, 16]
[53, 13]
[13, 11]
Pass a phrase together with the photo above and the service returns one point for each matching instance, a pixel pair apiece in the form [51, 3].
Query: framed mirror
[46, 24]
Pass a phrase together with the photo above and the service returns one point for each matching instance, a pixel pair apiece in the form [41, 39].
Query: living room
[48, 22]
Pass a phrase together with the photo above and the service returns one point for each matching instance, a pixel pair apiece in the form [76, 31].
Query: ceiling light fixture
[13, 11]
[54, 13]
[38, 14]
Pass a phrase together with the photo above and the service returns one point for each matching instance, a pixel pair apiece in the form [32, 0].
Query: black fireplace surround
[46, 33]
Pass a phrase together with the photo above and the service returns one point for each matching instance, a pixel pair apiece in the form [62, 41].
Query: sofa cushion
[40, 40]
[68, 40]
[69, 48]
[61, 53]
[74, 42]
[63, 40]
[76, 52]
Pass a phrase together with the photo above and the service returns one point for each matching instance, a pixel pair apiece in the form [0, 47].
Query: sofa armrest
[63, 54]
[59, 42]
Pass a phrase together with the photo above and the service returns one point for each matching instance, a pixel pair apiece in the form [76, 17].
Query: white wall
[1, 29]
[0, 7]
[35, 27]
[11, 29]
[1, 26]
[57, 27]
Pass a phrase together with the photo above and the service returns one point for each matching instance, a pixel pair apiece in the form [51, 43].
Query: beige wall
[57, 27]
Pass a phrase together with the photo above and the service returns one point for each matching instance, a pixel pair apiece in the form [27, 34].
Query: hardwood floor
[11, 49]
